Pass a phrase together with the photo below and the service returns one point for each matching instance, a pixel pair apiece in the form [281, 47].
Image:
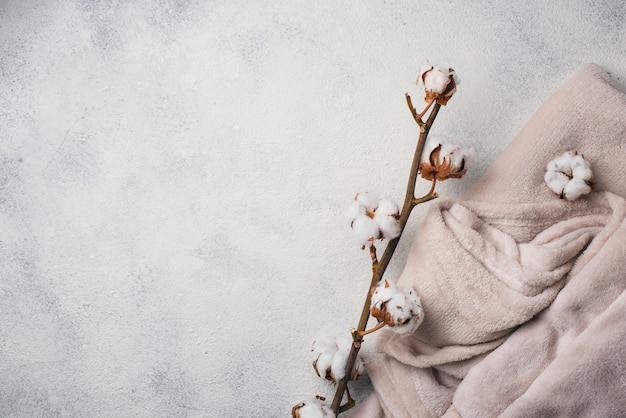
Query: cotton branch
[378, 269]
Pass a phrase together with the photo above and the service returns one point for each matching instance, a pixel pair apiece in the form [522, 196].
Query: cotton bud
[439, 82]
[331, 356]
[444, 161]
[569, 176]
[312, 408]
[372, 218]
[399, 309]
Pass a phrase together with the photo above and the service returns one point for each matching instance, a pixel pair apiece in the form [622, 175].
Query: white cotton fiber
[387, 207]
[556, 181]
[400, 309]
[576, 188]
[436, 80]
[372, 218]
[569, 176]
[581, 168]
[388, 225]
[562, 163]
[365, 230]
[368, 200]
[331, 357]
[354, 210]
[313, 408]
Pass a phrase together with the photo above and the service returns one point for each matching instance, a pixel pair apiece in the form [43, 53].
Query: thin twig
[369, 331]
[409, 102]
[425, 110]
[425, 198]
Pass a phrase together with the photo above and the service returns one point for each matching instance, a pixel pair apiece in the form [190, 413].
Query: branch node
[355, 335]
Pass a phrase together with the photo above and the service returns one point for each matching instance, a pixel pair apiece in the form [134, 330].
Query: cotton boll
[365, 230]
[410, 314]
[556, 181]
[436, 80]
[440, 82]
[581, 168]
[569, 175]
[331, 357]
[399, 309]
[387, 207]
[367, 200]
[435, 77]
[443, 160]
[388, 225]
[576, 188]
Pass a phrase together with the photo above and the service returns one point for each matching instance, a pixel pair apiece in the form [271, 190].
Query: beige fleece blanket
[523, 293]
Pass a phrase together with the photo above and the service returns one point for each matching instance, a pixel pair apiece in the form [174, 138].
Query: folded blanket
[523, 293]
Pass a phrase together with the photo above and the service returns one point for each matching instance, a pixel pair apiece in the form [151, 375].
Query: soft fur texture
[523, 293]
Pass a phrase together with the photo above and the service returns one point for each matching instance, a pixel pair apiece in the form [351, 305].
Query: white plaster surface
[173, 178]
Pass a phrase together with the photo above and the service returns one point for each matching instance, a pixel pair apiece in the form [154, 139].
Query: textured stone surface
[173, 178]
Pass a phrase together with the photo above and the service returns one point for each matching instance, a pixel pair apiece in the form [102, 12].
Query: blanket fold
[523, 292]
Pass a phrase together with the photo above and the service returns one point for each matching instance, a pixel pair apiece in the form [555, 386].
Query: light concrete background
[173, 178]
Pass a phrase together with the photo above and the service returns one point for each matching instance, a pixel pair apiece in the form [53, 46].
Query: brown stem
[432, 188]
[349, 404]
[409, 102]
[425, 198]
[378, 270]
[425, 110]
[369, 331]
